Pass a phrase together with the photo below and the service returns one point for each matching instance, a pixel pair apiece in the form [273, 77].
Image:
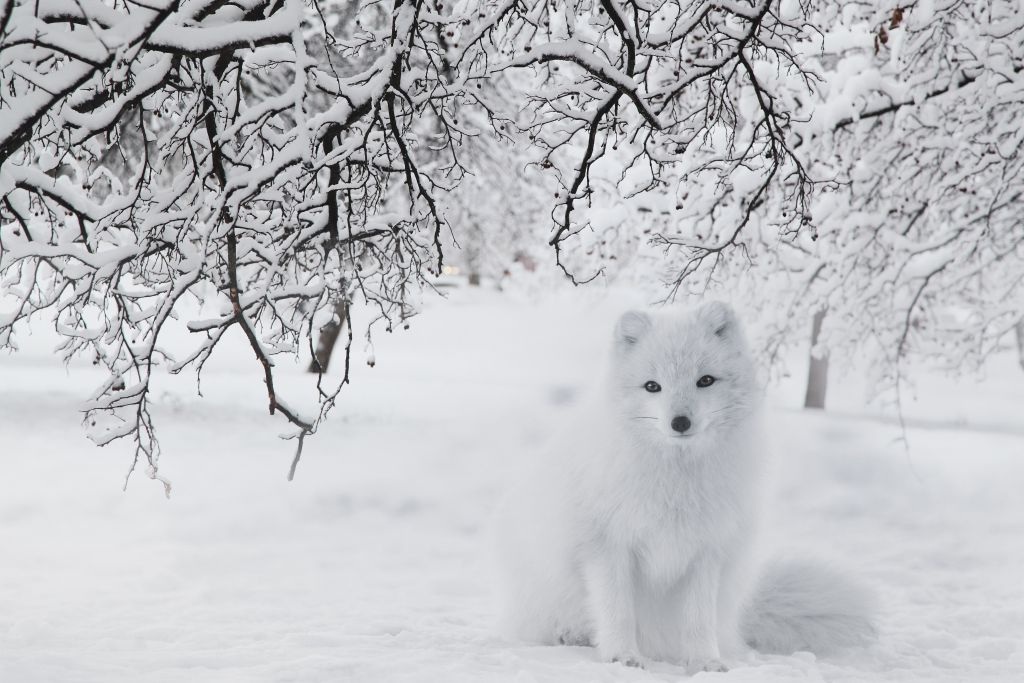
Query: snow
[372, 564]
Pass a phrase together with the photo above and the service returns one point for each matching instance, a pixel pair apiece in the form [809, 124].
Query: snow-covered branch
[239, 155]
[660, 79]
[270, 160]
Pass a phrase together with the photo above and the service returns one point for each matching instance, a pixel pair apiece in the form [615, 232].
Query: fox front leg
[610, 589]
[700, 617]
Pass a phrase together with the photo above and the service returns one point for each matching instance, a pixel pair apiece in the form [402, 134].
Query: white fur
[804, 605]
[634, 537]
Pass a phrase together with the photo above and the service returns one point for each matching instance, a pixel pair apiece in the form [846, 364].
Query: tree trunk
[328, 338]
[817, 377]
[1020, 341]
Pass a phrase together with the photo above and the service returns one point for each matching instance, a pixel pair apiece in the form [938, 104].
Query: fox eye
[705, 381]
[652, 387]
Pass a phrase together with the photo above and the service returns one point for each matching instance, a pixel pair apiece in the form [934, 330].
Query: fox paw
[627, 658]
[574, 639]
[695, 666]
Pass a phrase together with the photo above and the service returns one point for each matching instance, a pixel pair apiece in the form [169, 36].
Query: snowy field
[372, 564]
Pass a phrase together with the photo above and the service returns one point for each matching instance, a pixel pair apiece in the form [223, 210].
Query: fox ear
[719, 318]
[632, 326]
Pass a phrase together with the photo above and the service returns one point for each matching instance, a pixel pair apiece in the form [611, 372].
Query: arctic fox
[635, 535]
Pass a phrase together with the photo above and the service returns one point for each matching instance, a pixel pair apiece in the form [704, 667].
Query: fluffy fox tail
[799, 605]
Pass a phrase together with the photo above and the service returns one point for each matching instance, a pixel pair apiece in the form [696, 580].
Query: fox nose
[680, 423]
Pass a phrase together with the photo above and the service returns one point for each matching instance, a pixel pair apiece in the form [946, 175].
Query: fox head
[682, 376]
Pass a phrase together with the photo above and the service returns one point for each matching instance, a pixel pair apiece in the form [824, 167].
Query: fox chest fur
[662, 508]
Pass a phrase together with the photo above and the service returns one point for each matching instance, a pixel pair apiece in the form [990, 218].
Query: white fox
[635, 534]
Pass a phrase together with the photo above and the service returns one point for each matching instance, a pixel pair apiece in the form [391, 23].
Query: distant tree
[817, 372]
[329, 335]
[1020, 342]
[883, 182]
[920, 240]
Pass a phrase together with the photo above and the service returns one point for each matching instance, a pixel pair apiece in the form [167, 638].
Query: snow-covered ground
[372, 564]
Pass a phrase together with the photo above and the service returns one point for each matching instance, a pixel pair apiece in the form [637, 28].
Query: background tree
[896, 204]
[920, 240]
[817, 371]
[1020, 342]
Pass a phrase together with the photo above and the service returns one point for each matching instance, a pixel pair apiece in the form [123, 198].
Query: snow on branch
[664, 80]
[271, 159]
[919, 242]
[799, 156]
[238, 153]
